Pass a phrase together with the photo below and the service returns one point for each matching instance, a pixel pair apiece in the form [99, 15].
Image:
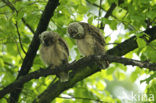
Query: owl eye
[44, 36]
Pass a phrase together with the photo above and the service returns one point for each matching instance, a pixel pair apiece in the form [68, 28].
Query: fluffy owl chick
[54, 52]
[90, 40]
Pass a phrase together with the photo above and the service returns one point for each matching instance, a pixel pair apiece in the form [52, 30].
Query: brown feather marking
[64, 45]
[95, 32]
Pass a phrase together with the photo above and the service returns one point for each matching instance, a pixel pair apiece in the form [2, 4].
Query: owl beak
[73, 33]
[47, 41]
[74, 36]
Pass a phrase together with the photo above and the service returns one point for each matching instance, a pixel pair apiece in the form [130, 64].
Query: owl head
[76, 30]
[48, 38]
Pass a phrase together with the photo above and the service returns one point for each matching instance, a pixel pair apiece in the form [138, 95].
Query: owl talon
[51, 66]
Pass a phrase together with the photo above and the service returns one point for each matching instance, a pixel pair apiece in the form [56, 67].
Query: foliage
[130, 18]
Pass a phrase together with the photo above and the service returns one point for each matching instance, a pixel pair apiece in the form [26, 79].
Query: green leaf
[11, 49]
[92, 1]
[135, 74]
[139, 34]
[141, 42]
[82, 9]
[150, 53]
[20, 15]
[1, 63]
[110, 70]
[90, 20]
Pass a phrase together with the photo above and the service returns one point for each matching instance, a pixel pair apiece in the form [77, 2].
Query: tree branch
[131, 44]
[76, 66]
[81, 71]
[31, 53]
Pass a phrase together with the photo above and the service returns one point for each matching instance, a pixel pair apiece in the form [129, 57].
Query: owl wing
[95, 32]
[62, 42]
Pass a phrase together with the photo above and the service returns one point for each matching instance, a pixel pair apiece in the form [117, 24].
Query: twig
[131, 27]
[95, 5]
[18, 48]
[9, 4]
[3, 6]
[99, 13]
[4, 12]
[109, 12]
[152, 47]
[53, 80]
[9, 64]
[19, 37]
[30, 28]
[149, 78]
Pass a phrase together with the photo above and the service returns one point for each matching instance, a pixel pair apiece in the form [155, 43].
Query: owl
[90, 40]
[54, 52]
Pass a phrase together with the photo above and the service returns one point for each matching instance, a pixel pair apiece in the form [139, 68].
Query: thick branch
[131, 44]
[28, 60]
[80, 72]
[80, 64]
